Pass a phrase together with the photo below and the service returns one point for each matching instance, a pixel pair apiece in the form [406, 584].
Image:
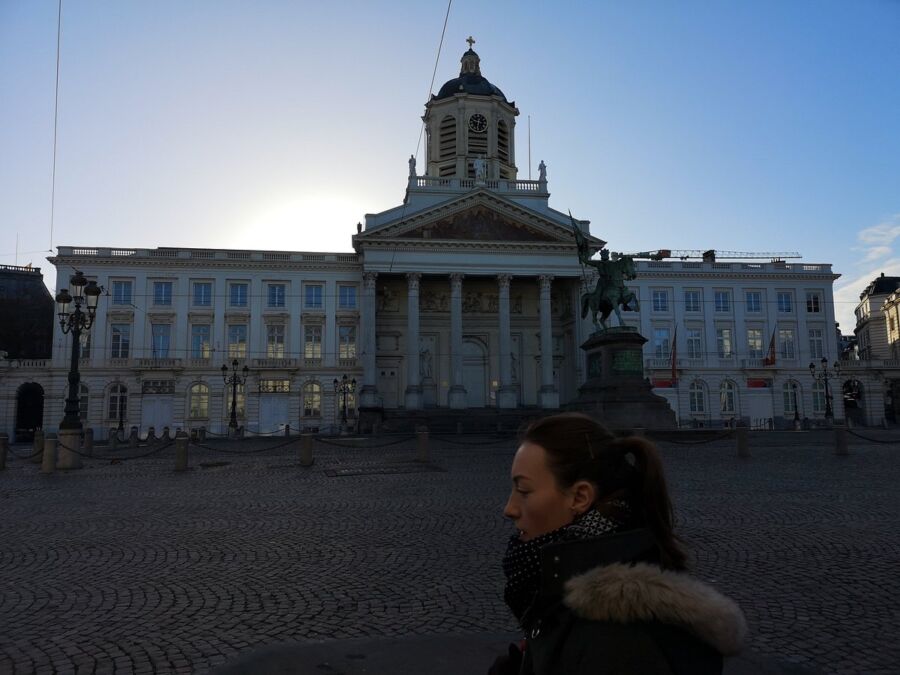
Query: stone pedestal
[508, 397]
[69, 445]
[429, 392]
[457, 398]
[616, 392]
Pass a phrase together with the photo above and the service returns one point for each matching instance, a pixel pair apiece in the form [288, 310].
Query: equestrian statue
[610, 293]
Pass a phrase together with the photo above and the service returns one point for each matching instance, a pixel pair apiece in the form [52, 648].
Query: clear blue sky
[749, 126]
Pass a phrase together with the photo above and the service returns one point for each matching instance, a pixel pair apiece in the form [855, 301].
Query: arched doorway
[854, 406]
[475, 373]
[29, 410]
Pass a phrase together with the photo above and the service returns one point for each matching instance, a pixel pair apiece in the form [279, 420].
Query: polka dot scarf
[522, 562]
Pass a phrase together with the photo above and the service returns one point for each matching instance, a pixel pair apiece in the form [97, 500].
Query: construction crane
[712, 255]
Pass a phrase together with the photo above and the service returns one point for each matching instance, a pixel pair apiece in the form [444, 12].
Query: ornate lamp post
[344, 387]
[824, 376]
[796, 408]
[234, 380]
[74, 320]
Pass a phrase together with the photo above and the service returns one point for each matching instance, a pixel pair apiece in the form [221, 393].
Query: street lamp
[796, 408]
[76, 321]
[234, 380]
[344, 387]
[824, 376]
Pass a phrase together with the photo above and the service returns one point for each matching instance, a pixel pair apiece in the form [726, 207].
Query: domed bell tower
[470, 119]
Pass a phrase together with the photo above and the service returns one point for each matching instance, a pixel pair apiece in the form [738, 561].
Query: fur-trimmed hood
[625, 593]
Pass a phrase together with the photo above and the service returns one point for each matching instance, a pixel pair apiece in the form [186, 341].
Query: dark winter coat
[599, 612]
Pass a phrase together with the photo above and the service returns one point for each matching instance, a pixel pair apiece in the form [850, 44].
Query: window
[347, 342]
[790, 395]
[239, 400]
[727, 397]
[118, 402]
[83, 400]
[347, 297]
[120, 344]
[161, 332]
[660, 300]
[200, 344]
[84, 344]
[786, 342]
[661, 348]
[312, 342]
[275, 295]
[274, 386]
[312, 296]
[785, 302]
[275, 341]
[754, 343]
[162, 293]
[694, 344]
[693, 301]
[697, 397]
[816, 343]
[312, 399]
[723, 301]
[754, 301]
[237, 341]
[199, 401]
[237, 294]
[818, 392]
[813, 302]
[121, 292]
[202, 293]
[724, 343]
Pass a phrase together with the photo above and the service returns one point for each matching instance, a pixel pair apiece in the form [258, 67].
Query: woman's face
[536, 504]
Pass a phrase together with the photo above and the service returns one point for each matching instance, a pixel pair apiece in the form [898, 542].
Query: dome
[470, 80]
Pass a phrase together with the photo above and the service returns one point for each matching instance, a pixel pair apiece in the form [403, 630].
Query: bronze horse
[611, 292]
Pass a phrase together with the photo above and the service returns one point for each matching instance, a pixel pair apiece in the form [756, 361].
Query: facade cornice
[726, 275]
[79, 262]
[444, 245]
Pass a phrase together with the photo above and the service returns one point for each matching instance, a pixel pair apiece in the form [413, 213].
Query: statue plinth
[616, 392]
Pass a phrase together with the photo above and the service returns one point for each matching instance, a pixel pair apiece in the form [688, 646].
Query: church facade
[464, 297]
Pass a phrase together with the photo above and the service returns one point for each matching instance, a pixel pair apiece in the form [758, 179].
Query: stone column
[457, 397]
[69, 444]
[549, 394]
[413, 385]
[368, 395]
[506, 396]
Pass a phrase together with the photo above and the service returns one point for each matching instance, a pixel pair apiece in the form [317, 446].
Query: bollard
[840, 441]
[422, 445]
[884, 423]
[287, 430]
[68, 446]
[459, 427]
[113, 438]
[306, 450]
[37, 446]
[4, 448]
[743, 446]
[151, 435]
[193, 435]
[133, 438]
[166, 435]
[48, 462]
[201, 434]
[181, 452]
[89, 442]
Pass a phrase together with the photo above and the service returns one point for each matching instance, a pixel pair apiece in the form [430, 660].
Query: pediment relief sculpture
[478, 224]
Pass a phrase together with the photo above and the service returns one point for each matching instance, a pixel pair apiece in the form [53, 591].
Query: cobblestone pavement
[130, 567]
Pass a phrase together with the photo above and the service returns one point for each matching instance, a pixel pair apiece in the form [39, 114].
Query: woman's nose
[510, 511]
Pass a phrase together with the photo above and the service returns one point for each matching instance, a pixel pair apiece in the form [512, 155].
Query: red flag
[674, 349]
[770, 357]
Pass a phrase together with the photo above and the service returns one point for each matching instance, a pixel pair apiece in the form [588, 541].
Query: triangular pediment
[479, 216]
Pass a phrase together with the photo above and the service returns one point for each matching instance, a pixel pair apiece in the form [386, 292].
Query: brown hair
[629, 468]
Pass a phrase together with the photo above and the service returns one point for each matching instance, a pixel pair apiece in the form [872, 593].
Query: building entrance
[29, 410]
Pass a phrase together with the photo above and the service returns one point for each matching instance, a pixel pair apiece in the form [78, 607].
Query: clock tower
[470, 119]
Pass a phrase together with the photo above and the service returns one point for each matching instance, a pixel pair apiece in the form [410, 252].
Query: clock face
[478, 122]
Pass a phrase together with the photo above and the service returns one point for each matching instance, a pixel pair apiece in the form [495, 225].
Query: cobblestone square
[130, 567]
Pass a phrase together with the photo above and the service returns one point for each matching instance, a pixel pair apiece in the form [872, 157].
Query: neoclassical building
[464, 297]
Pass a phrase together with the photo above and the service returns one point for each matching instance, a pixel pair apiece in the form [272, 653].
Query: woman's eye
[523, 492]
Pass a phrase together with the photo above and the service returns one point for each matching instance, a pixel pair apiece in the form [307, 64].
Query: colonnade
[457, 398]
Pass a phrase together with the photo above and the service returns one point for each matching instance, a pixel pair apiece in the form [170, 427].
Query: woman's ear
[583, 495]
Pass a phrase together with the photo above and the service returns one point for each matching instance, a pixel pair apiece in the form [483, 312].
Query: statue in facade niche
[542, 172]
[480, 166]
[425, 365]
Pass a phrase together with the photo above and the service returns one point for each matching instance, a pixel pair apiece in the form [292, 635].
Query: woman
[595, 575]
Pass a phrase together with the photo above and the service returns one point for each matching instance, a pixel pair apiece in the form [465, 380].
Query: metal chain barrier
[726, 434]
[871, 440]
[368, 446]
[243, 452]
[263, 433]
[453, 441]
[24, 457]
[121, 458]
